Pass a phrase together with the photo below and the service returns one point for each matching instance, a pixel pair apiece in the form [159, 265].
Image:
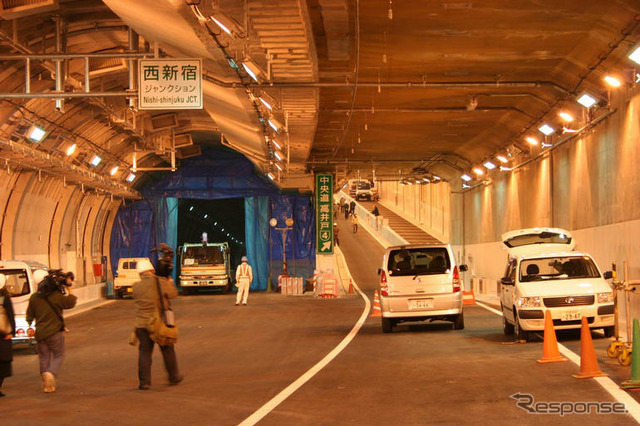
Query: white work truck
[205, 266]
[128, 273]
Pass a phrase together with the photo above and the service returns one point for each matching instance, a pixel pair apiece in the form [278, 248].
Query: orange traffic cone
[468, 298]
[550, 352]
[588, 361]
[377, 312]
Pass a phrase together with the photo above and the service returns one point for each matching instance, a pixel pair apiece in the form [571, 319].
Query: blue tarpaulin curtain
[217, 174]
[256, 219]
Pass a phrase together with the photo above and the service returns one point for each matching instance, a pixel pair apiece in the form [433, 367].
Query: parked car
[128, 273]
[544, 273]
[21, 283]
[420, 282]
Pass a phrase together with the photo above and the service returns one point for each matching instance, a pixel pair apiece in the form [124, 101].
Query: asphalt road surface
[236, 359]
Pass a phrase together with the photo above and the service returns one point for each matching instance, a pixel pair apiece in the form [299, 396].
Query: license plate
[421, 304]
[571, 316]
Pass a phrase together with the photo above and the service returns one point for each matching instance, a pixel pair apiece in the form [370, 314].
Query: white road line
[286, 392]
[609, 385]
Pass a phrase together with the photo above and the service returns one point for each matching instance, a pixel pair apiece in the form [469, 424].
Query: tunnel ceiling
[432, 87]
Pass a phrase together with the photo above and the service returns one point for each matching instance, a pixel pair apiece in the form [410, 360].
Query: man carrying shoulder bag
[149, 307]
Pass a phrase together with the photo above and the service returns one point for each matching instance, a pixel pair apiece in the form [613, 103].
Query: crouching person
[146, 294]
[46, 306]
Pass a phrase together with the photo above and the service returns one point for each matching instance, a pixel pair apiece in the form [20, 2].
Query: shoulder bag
[162, 328]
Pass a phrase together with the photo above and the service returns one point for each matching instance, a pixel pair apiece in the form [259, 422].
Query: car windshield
[419, 261]
[558, 268]
[17, 283]
[203, 255]
[363, 185]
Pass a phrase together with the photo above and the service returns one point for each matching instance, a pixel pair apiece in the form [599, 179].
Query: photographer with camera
[148, 305]
[45, 306]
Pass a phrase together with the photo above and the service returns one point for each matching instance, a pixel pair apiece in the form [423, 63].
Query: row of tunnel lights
[232, 28]
[36, 134]
[586, 99]
[215, 223]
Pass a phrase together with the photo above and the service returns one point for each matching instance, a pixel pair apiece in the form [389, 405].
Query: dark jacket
[47, 319]
[6, 354]
[147, 300]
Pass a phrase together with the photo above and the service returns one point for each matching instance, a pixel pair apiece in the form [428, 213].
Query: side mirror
[607, 275]
[463, 268]
[506, 281]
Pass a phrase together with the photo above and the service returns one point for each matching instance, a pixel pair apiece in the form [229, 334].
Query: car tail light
[456, 280]
[20, 332]
[383, 284]
[31, 331]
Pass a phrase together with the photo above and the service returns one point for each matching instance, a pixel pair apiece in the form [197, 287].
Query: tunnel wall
[427, 206]
[57, 224]
[588, 185]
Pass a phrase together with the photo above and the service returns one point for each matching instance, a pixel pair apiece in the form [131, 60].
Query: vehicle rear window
[423, 261]
[17, 283]
[558, 268]
[541, 238]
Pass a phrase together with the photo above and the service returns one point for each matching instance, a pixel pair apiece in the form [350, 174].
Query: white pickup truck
[128, 273]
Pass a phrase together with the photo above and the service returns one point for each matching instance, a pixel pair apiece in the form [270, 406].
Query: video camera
[164, 266]
[56, 280]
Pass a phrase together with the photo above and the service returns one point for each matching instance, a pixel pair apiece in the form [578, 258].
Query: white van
[128, 273]
[21, 284]
[420, 282]
[544, 273]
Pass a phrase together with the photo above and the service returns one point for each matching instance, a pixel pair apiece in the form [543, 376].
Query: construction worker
[244, 277]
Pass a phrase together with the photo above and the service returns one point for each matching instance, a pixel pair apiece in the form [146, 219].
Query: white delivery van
[128, 273]
[21, 283]
[544, 273]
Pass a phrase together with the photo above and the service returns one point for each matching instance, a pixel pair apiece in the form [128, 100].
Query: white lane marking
[632, 406]
[286, 392]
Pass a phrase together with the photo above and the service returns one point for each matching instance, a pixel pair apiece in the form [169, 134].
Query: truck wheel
[520, 333]
[458, 324]
[118, 295]
[609, 331]
[387, 325]
[507, 327]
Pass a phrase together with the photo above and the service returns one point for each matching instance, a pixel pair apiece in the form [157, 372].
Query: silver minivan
[420, 282]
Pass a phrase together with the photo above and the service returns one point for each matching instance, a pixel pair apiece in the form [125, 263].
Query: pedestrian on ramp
[244, 278]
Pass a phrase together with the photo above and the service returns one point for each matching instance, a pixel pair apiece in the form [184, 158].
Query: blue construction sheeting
[217, 174]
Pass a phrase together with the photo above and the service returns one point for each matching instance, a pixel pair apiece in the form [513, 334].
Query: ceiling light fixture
[466, 177]
[531, 140]
[586, 100]
[254, 71]
[274, 124]
[565, 116]
[226, 23]
[131, 177]
[501, 158]
[612, 81]
[546, 129]
[478, 171]
[489, 165]
[276, 144]
[114, 170]
[36, 133]
[71, 149]
[278, 166]
[635, 55]
[271, 176]
[278, 155]
[95, 160]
